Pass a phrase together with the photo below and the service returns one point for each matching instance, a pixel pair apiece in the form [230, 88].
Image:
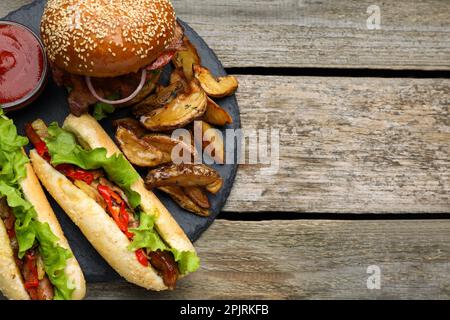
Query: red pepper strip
[31, 277]
[120, 216]
[126, 219]
[141, 257]
[76, 173]
[40, 145]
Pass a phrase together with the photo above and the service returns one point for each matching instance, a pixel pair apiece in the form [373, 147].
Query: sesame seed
[141, 23]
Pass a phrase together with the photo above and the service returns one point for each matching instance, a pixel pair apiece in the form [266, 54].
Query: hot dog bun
[33, 192]
[11, 283]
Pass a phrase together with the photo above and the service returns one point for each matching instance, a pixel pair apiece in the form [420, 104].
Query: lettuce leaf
[28, 229]
[188, 261]
[101, 110]
[54, 258]
[64, 149]
[24, 213]
[145, 236]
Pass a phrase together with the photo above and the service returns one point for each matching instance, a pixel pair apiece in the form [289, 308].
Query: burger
[109, 53]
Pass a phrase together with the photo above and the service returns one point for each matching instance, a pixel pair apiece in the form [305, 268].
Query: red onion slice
[124, 100]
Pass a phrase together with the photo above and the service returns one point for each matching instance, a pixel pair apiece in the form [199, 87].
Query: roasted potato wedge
[177, 194]
[148, 88]
[164, 96]
[182, 175]
[216, 115]
[165, 144]
[132, 125]
[138, 151]
[198, 195]
[215, 87]
[185, 108]
[178, 75]
[215, 187]
[185, 59]
[212, 142]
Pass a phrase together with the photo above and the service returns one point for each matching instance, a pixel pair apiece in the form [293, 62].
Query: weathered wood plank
[7, 6]
[311, 260]
[291, 33]
[348, 145]
[317, 259]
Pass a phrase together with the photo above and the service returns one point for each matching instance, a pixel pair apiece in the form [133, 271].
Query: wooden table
[364, 174]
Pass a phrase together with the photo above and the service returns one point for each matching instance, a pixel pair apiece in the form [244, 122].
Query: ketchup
[21, 62]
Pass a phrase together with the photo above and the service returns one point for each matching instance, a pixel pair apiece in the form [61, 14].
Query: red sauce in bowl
[23, 65]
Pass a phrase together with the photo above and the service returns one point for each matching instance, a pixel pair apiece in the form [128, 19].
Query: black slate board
[52, 106]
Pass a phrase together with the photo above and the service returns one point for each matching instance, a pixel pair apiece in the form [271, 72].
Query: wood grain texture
[308, 33]
[311, 260]
[348, 145]
[6, 6]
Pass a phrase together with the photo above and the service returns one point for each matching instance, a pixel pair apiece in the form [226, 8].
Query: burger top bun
[106, 38]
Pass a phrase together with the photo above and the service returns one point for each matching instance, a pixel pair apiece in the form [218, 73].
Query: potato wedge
[138, 151]
[185, 108]
[162, 97]
[182, 175]
[131, 124]
[216, 115]
[215, 187]
[177, 75]
[215, 87]
[212, 142]
[197, 195]
[158, 88]
[177, 194]
[185, 59]
[165, 144]
[148, 88]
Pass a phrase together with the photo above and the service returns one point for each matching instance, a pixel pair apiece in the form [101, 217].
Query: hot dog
[102, 193]
[36, 262]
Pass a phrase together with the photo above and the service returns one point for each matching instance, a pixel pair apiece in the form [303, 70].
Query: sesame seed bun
[106, 38]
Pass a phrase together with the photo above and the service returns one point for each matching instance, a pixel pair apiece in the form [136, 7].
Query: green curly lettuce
[29, 231]
[145, 236]
[64, 149]
[103, 109]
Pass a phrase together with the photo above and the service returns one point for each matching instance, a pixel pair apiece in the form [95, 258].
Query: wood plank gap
[287, 216]
[340, 72]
